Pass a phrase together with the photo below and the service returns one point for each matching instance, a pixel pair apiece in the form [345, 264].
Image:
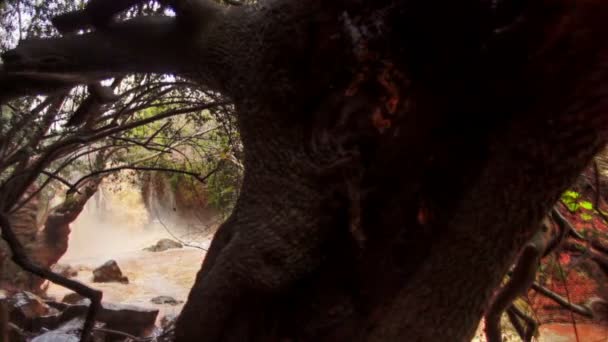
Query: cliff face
[44, 234]
[26, 225]
[180, 200]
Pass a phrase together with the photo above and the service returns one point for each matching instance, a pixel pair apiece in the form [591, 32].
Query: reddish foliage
[584, 278]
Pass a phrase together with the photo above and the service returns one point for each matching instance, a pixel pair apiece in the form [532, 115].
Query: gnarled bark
[398, 155]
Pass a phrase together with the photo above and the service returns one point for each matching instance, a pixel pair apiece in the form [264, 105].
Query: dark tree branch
[38, 66]
[196, 176]
[522, 276]
[57, 177]
[531, 324]
[124, 334]
[563, 223]
[97, 13]
[579, 309]
[516, 323]
[20, 258]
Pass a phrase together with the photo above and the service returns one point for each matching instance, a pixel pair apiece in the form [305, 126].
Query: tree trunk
[390, 204]
[398, 154]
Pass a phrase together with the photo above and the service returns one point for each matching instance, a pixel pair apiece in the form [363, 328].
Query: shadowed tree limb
[523, 275]
[531, 324]
[521, 331]
[196, 176]
[579, 309]
[39, 66]
[20, 258]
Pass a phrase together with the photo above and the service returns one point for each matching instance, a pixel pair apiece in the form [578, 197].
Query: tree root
[20, 258]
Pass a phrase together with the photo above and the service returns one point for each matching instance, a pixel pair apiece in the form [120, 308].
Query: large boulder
[163, 245]
[109, 272]
[31, 313]
[127, 318]
[72, 298]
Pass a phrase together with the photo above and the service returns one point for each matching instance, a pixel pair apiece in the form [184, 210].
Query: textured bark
[398, 155]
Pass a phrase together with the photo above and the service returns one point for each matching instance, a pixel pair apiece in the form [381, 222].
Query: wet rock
[127, 318]
[131, 319]
[166, 300]
[30, 312]
[69, 332]
[167, 321]
[72, 298]
[163, 245]
[58, 336]
[65, 270]
[166, 331]
[108, 273]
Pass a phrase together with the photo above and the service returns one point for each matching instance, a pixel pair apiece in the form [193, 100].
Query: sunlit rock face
[26, 222]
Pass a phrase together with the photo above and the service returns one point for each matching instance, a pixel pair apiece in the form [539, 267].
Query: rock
[167, 321]
[130, 319]
[58, 336]
[31, 313]
[72, 298]
[65, 270]
[108, 273]
[166, 331]
[69, 332]
[166, 300]
[163, 245]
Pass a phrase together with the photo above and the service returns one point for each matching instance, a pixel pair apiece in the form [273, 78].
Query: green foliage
[586, 205]
[570, 200]
[575, 204]
[196, 143]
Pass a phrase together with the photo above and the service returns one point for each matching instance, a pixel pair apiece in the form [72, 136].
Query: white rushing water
[115, 225]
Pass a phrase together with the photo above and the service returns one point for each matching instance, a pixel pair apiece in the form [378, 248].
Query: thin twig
[530, 322]
[57, 177]
[124, 334]
[197, 176]
[175, 237]
[579, 309]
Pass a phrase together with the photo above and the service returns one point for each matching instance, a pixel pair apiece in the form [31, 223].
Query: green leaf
[586, 217]
[570, 194]
[572, 206]
[586, 205]
[570, 200]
